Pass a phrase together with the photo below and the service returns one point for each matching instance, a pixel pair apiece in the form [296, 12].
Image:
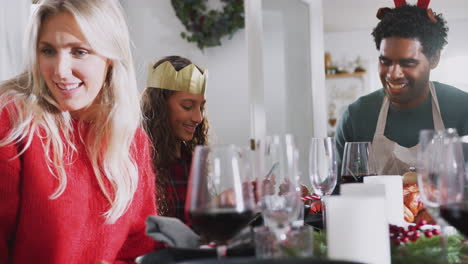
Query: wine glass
[278, 184]
[434, 146]
[323, 167]
[357, 162]
[429, 168]
[220, 200]
[452, 200]
[434, 157]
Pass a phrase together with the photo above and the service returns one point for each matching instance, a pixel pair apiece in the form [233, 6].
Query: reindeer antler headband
[382, 12]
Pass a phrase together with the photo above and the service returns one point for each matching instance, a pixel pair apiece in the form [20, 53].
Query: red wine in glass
[218, 224]
[456, 214]
[358, 162]
[218, 204]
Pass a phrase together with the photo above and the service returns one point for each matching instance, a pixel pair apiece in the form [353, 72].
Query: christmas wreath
[207, 27]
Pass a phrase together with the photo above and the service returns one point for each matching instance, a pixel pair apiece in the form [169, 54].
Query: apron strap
[382, 120]
[436, 115]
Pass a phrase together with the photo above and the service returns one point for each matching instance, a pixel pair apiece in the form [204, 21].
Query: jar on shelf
[329, 68]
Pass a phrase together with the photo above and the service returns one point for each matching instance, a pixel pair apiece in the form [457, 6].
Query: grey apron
[390, 157]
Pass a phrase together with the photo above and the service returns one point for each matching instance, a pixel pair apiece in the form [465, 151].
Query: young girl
[76, 179]
[173, 107]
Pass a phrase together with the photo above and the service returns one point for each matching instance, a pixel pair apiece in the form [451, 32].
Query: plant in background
[207, 27]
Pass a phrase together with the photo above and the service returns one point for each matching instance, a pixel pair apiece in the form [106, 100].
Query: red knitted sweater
[71, 228]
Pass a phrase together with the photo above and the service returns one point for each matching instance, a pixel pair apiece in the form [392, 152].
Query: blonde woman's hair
[114, 121]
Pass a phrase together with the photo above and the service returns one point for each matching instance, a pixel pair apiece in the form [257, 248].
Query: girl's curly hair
[413, 22]
[156, 124]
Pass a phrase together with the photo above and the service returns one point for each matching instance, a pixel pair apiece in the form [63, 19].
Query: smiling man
[409, 40]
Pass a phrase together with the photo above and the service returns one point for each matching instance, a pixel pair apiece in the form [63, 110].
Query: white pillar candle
[362, 189]
[357, 229]
[393, 196]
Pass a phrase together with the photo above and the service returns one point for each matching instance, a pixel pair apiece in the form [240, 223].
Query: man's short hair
[413, 22]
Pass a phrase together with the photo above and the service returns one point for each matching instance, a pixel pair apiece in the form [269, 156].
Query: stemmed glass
[277, 184]
[323, 167]
[452, 199]
[434, 157]
[429, 166]
[220, 199]
[358, 162]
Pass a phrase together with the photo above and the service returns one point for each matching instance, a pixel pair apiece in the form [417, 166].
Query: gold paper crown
[189, 79]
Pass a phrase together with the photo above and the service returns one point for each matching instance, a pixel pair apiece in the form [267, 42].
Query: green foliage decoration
[428, 251]
[425, 250]
[207, 27]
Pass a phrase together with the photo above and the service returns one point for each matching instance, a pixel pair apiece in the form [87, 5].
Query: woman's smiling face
[72, 71]
[186, 112]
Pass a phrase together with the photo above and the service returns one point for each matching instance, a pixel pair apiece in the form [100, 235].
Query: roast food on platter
[315, 205]
[304, 190]
[284, 187]
[410, 177]
[268, 187]
[413, 206]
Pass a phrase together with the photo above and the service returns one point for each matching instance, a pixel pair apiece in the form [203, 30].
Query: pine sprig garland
[207, 27]
[425, 250]
[428, 251]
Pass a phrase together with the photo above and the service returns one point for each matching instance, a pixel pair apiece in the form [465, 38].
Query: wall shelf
[342, 90]
[344, 75]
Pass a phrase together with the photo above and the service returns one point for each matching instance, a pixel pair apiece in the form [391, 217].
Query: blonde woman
[76, 182]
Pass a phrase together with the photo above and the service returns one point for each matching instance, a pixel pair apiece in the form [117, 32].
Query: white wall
[348, 46]
[14, 16]
[360, 43]
[452, 67]
[353, 15]
[155, 31]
